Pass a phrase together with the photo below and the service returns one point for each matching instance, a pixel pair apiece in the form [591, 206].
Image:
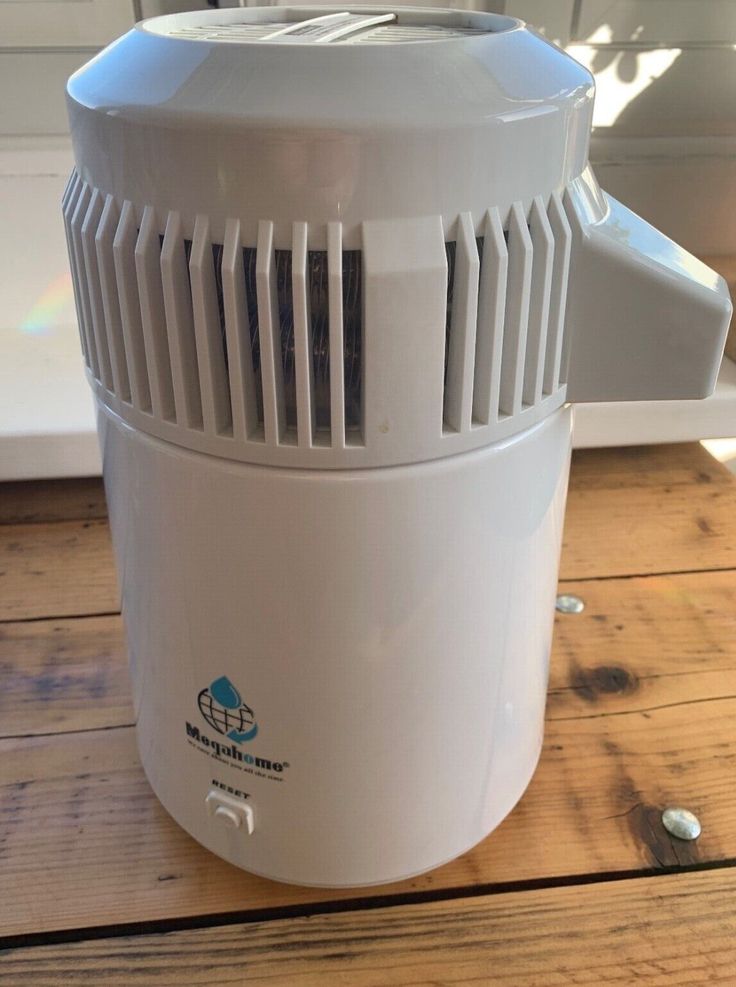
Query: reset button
[231, 812]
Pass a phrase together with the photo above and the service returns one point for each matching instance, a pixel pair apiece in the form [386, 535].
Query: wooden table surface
[580, 885]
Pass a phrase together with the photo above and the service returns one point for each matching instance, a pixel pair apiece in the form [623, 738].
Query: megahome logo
[222, 707]
[225, 711]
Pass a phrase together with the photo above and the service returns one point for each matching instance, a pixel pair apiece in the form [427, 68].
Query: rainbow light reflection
[57, 299]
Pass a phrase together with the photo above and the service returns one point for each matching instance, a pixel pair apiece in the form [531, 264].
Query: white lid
[327, 114]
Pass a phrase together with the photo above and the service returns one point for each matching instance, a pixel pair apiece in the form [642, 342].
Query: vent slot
[153, 319]
[517, 313]
[463, 272]
[123, 251]
[104, 240]
[177, 297]
[304, 357]
[89, 230]
[251, 296]
[336, 337]
[557, 355]
[217, 256]
[286, 333]
[492, 288]
[543, 245]
[319, 308]
[205, 285]
[246, 398]
[68, 205]
[269, 335]
[83, 304]
[352, 322]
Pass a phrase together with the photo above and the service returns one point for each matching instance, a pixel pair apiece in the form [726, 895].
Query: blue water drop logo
[223, 708]
[224, 692]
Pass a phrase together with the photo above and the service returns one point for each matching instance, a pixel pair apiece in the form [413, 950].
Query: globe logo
[223, 708]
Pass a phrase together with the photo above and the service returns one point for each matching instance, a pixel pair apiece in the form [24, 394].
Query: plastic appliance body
[389, 630]
[338, 273]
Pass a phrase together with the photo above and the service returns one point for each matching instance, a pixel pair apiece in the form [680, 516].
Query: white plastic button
[229, 816]
[232, 812]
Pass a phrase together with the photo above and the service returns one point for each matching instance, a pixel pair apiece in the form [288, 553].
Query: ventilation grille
[341, 27]
[220, 338]
[506, 349]
[234, 347]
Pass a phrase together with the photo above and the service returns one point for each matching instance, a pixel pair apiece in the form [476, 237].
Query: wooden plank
[87, 843]
[670, 634]
[651, 467]
[658, 932]
[83, 498]
[643, 682]
[56, 570]
[26, 501]
[630, 511]
[658, 509]
[648, 509]
[644, 642]
[63, 675]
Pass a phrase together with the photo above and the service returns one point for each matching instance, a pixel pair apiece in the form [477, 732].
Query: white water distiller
[340, 274]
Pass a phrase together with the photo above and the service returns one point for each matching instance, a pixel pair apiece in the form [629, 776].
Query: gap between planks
[83, 498]
[564, 586]
[603, 780]
[586, 687]
[663, 931]
[245, 917]
[630, 512]
[624, 652]
[66, 567]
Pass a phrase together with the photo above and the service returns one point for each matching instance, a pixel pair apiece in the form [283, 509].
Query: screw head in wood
[681, 823]
[566, 603]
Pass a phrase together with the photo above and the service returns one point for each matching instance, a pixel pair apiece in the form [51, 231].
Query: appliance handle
[646, 319]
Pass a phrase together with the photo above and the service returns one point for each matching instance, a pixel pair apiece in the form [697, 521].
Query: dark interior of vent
[319, 312]
[317, 281]
[320, 330]
[352, 329]
[251, 299]
[286, 332]
[217, 262]
[217, 258]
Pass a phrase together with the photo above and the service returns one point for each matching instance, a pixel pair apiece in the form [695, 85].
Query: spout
[646, 319]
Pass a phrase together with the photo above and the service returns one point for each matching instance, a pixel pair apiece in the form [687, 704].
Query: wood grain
[56, 570]
[26, 501]
[648, 509]
[62, 675]
[644, 642]
[630, 511]
[640, 640]
[642, 698]
[652, 467]
[642, 692]
[663, 932]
